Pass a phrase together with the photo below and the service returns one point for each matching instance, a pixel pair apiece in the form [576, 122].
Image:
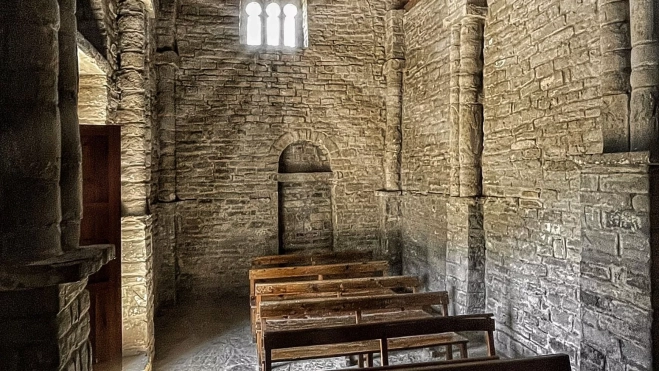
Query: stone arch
[321, 140]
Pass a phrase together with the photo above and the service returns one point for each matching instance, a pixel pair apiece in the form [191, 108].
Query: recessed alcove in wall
[305, 199]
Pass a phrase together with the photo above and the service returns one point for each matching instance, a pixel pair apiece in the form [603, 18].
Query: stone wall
[425, 131]
[235, 105]
[554, 214]
[542, 101]
[615, 263]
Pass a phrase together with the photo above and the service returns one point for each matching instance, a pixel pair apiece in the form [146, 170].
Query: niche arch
[305, 198]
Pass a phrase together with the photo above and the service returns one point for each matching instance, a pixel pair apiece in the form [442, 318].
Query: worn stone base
[45, 329]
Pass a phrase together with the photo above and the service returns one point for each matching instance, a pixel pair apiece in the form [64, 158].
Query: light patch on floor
[215, 335]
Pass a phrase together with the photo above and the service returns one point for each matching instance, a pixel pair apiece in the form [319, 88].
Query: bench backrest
[290, 260]
[352, 304]
[338, 286]
[320, 272]
[554, 362]
[377, 331]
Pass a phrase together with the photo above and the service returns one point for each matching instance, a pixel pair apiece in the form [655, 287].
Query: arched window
[263, 23]
[274, 24]
[290, 36]
[253, 11]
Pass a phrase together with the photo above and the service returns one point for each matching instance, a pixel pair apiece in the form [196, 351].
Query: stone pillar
[71, 173]
[30, 131]
[454, 110]
[616, 67]
[471, 107]
[644, 15]
[393, 72]
[134, 82]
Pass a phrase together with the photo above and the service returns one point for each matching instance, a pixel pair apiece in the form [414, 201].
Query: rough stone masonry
[483, 145]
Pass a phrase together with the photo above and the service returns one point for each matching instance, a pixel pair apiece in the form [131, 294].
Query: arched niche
[305, 199]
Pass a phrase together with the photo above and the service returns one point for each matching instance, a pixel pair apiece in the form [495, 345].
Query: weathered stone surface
[48, 331]
[30, 139]
[237, 107]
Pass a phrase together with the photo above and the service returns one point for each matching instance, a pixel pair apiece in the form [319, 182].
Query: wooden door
[101, 224]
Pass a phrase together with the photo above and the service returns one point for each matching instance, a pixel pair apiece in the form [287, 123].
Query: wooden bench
[316, 272]
[291, 260]
[554, 362]
[330, 288]
[279, 343]
[305, 314]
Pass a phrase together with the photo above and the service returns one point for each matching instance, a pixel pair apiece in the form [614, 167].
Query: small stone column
[644, 15]
[71, 173]
[616, 66]
[30, 131]
[471, 108]
[393, 72]
[167, 68]
[454, 110]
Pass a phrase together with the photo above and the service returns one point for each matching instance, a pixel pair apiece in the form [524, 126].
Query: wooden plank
[312, 259]
[369, 331]
[318, 270]
[322, 306]
[360, 347]
[309, 322]
[429, 364]
[554, 362]
[336, 286]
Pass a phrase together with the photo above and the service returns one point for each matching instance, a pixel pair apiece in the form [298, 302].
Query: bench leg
[360, 361]
[369, 359]
[463, 351]
[449, 352]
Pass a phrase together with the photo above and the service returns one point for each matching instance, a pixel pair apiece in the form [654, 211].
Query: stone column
[393, 72]
[71, 173]
[454, 110]
[30, 131]
[134, 82]
[616, 66]
[644, 15]
[167, 67]
[471, 108]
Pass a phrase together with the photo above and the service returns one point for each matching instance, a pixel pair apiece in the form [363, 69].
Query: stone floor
[215, 336]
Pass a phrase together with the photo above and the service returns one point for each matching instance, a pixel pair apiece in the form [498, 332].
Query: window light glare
[274, 24]
[253, 11]
[290, 11]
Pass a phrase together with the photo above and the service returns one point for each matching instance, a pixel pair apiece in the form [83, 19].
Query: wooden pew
[327, 313]
[554, 362]
[291, 260]
[330, 288]
[317, 272]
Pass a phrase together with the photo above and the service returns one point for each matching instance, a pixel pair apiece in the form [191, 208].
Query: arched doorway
[305, 187]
